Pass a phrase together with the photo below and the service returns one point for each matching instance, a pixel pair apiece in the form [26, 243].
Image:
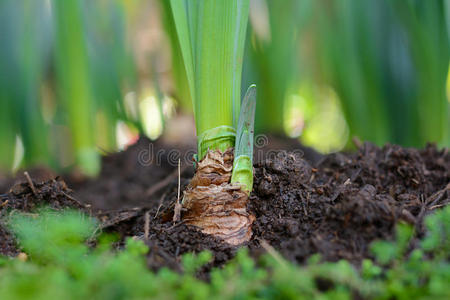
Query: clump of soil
[348, 200]
[28, 196]
[336, 205]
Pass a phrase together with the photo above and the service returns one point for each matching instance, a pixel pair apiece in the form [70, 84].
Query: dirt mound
[347, 201]
[26, 197]
[335, 207]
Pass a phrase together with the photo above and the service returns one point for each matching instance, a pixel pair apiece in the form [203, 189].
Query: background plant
[64, 67]
[388, 61]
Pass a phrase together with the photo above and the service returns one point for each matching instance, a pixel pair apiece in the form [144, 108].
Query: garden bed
[335, 205]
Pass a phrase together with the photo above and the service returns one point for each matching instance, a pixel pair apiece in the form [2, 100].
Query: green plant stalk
[211, 36]
[9, 76]
[182, 93]
[33, 130]
[73, 82]
[386, 99]
[7, 134]
[243, 151]
[21, 67]
[158, 93]
[275, 58]
[425, 26]
[105, 57]
[110, 63]
[356, 77]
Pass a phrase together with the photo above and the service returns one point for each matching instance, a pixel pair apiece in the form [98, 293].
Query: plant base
[215, 205]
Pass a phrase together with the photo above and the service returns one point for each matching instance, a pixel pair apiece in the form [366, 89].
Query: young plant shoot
[211, 35]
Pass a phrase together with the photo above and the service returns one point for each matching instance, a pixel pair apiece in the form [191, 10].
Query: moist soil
[304, 203]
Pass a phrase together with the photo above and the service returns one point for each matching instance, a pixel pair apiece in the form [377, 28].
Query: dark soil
[137, 177]
[346, 201]
[26, 197]
[334, 205]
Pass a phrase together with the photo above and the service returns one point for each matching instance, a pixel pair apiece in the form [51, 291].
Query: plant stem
[211, 35]
[74, 89]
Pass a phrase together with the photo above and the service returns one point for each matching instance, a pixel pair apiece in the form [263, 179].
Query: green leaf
[136, 247]
[243, 151]
[192, 262]
[438, 226]
[404, 234]
[180, 15]
[369, 269]
[384, 251]
[52, 236]
[211, 36]
[72, 72]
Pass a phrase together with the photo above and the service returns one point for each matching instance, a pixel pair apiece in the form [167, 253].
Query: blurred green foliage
[178, 68]
[388, 61]
[272, 52]
[71, 70]
[73, 81]
[63, 67]
[24, 52]
[62, 266]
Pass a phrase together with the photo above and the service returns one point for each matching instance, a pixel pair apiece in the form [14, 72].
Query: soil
[27, 197]
[335, 205]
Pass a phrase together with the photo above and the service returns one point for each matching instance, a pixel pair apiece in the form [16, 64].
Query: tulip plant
[211, 36]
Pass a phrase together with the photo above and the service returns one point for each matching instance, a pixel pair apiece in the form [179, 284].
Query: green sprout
[243, 150]
[211, 36]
